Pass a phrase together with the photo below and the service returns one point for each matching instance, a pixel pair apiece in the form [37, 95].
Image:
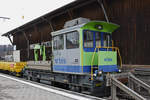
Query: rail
[98, 47]
[92, 64]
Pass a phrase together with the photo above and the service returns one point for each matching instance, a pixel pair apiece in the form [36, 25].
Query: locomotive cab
[98, 51]
[85, 48]
[82, 51]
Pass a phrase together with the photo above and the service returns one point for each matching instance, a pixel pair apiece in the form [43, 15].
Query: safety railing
[115, 83]
[107, 48]
[132, 79]
[131, 90]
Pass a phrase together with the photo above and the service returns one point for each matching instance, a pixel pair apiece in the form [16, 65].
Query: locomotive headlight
[119, 70]
[94, 75]
[99, 73]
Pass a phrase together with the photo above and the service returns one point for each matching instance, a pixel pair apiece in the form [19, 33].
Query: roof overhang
[51, 15]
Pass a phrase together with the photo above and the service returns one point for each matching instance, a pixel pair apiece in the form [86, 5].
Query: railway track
[136, 88]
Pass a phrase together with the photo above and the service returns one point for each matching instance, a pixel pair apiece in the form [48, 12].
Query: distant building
[5, 50]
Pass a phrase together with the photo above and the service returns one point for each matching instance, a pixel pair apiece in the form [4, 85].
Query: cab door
[73, 52]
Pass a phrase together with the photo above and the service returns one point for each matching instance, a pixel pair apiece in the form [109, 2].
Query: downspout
[103, 8]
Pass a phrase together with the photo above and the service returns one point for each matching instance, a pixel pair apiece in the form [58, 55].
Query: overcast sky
[30, 9]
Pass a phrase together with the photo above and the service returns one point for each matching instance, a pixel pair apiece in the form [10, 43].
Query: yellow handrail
[98, 47]
[92, 64]
[82, 55]
[120, 58]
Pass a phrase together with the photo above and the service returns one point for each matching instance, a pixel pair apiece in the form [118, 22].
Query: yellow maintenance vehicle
[12, 67]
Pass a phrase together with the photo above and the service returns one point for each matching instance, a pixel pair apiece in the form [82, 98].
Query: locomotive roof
[101, 26]
[65, 30]
[92, 25]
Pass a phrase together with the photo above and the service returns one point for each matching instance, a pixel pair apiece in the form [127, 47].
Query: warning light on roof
[100, 27]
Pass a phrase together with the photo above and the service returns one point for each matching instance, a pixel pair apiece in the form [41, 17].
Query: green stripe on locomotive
[86, 57]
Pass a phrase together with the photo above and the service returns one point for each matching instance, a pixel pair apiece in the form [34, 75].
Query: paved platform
[17, 89]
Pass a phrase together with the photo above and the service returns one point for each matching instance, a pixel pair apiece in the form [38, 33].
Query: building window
[58, 42]
[72, 40]
[88, 39]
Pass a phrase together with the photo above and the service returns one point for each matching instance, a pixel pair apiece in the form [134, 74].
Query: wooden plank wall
[133, 36]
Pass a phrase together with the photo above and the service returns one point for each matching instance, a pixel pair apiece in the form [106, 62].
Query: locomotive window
[88, 39]
[107, 41]
[98, 38]
[72, 40]
[58, 42]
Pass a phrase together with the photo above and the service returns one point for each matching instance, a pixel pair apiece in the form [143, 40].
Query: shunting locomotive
[78, 58]
[84, 50]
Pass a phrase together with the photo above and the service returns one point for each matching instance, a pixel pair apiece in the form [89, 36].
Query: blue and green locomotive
[86, 52]
[77, 49]
[82, 55]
